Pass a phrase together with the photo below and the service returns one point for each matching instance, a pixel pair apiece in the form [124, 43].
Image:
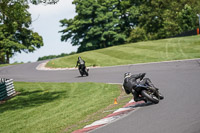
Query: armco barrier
[6, 88]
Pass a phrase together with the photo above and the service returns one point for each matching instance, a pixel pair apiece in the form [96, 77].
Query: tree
[104, 23]
[186, 18]
[166, 18]
[15, 32]
[96, 25]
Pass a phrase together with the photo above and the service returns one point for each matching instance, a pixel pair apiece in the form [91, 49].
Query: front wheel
[81, 72]
[86, 73]
[149, 96]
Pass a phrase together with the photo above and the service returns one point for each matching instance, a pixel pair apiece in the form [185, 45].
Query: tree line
[104, 23]
[55, 56]
[98, 23]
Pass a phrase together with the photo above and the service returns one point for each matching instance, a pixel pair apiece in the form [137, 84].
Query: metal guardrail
[6, 88]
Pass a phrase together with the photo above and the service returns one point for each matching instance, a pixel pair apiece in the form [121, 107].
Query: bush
[137, 34]
[54, 56]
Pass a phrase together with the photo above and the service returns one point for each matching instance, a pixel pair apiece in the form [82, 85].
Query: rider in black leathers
[130, 82]
[80, 63]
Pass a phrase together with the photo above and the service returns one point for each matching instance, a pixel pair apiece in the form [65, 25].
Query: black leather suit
[80, 63]
[131, 82]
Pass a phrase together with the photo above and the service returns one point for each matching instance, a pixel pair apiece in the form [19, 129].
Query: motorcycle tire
[150, 97]
[81, 73]
[159, 95]
[86, 73]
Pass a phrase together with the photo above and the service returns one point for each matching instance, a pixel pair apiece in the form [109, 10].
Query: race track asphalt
[178, 81]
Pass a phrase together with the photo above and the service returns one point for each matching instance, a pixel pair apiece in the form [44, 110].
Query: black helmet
[127, 74]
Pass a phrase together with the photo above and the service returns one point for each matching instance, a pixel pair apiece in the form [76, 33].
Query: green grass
[55, 107]
[141, 52]
[2, 65]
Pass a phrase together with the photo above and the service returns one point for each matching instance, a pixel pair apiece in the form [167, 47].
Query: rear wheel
[150, 96]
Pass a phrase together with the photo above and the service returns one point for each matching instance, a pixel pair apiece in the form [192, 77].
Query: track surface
[179, 82]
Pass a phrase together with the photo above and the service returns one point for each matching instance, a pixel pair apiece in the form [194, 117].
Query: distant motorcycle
[149, 93]
[84, 71]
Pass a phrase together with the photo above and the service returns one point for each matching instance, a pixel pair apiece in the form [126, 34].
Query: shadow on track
[140, 105]
[81, 76]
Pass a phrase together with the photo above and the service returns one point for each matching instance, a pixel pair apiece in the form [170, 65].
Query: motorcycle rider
[130, 82]
[80, 63]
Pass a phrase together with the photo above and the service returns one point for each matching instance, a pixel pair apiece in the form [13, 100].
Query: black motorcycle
[149, 93]
[83, 71]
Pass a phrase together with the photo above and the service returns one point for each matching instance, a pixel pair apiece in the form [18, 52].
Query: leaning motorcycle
[149, 93]
[83, 71]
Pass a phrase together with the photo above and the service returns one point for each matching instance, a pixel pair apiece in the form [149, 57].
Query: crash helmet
[127, 74]
[79, 58]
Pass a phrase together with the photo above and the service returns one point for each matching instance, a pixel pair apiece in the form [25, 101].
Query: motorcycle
[84, 71]
[149, 93]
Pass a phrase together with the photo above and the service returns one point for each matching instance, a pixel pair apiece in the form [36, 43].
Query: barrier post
[197, 31]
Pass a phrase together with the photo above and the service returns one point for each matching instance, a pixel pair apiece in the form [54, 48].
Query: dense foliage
[15, 32]
[104, 23]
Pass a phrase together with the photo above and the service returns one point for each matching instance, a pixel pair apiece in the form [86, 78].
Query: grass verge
[2, 65]
[58, 107]
[141, 52]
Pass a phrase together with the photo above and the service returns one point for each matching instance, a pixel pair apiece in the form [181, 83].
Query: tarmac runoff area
[119, 113]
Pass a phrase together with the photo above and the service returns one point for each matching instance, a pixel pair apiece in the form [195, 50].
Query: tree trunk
[2, 59]
[7, 58]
